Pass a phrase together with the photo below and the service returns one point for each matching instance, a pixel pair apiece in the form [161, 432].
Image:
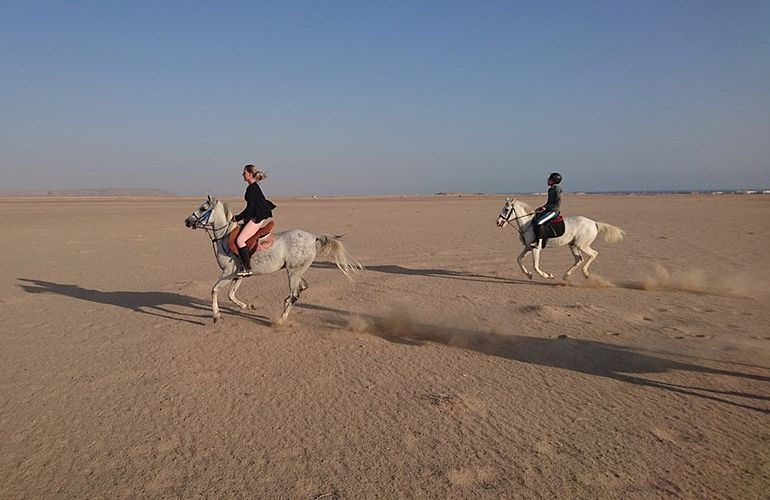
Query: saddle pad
[253, 243]
[552, 229]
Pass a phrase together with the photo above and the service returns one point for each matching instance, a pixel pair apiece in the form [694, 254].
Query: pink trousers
[249, 230]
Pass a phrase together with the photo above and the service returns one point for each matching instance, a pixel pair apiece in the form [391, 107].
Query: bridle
[202, 222]
[513, 212]
[508, 219]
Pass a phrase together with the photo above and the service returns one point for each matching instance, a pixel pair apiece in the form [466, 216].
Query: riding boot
[245, 270]
[536, 242]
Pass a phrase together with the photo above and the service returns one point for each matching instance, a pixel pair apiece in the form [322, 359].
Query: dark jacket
[554, 199]
[257, 206]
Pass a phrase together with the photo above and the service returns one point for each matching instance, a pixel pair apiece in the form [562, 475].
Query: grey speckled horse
[294, 249]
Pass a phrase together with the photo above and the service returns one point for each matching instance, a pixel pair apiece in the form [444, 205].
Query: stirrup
[245, 273]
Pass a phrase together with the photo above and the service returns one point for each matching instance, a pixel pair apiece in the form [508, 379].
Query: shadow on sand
[152, 303]
[442, 273]
[583, 356]
[576, 281]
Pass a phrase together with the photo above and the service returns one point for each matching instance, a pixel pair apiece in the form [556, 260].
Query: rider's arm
[251, 205]
[553, 199]
[242, 215]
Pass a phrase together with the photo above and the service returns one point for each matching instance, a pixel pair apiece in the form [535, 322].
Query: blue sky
[385, 97]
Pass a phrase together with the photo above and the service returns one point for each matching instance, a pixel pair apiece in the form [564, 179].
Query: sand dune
[441, 371]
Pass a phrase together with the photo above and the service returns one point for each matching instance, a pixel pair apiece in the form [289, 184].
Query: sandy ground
[440, 372]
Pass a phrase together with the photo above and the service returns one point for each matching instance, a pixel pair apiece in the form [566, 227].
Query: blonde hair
[258, 174]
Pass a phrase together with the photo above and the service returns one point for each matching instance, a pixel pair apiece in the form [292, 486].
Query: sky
[391, 97]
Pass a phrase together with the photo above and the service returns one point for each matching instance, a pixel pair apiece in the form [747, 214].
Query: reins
[513, 211]
[202, 222]
[516, 218]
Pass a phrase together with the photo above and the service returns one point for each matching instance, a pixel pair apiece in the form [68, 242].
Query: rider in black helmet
[550, 210]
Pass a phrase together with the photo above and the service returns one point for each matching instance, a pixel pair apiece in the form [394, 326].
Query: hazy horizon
[353, 98]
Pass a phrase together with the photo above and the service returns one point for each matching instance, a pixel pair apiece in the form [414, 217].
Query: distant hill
[90, 192]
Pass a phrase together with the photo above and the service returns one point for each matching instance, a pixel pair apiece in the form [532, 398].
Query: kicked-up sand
[441, 371]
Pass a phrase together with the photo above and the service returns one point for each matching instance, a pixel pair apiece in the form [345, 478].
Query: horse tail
[611, 233]
[345, 262]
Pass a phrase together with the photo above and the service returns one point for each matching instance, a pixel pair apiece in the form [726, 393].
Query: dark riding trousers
[551, 209]
[542, 218]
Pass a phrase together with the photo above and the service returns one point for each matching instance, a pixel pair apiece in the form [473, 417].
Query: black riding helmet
[555, 177]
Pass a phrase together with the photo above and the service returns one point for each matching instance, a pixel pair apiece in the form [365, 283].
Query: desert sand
[441, 371]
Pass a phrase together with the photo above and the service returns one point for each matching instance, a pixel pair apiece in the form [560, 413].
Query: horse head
[207, 214]
[514, 211]
[506, 213]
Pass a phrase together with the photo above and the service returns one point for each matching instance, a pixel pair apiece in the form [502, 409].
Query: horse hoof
[529, 276]
[216, 318]
[549, 276]
[252, 307]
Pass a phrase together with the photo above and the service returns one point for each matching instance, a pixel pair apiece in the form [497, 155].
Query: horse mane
[525, 206]
[228, 211]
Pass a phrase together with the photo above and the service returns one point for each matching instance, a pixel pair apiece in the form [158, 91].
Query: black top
[257, 206]
[554, 199]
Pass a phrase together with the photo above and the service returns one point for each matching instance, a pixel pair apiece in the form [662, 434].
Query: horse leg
[578, 259]
[222, 281]
[521, 263]
[303, 285]
[295, 287]
[592, 254]
[536, 264]
[231, 295]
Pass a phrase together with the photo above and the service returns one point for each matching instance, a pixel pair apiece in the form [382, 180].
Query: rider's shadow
[152, 303]
[616, 362]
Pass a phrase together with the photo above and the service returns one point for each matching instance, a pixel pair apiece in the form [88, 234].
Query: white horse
[294, 249]
[579, 233]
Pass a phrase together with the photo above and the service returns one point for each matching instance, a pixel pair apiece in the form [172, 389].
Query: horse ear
[208, 197]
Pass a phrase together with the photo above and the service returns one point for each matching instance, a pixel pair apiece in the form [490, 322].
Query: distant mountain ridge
[90, 192]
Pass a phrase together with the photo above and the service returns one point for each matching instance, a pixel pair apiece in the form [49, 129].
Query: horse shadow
[616, 362]
[441, 273]
[152, 303]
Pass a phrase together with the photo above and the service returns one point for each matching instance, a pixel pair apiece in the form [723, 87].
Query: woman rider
[550, 210]
[258, 212]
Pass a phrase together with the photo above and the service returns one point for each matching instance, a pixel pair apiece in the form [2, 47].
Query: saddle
[552, 229]
[257, 243]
